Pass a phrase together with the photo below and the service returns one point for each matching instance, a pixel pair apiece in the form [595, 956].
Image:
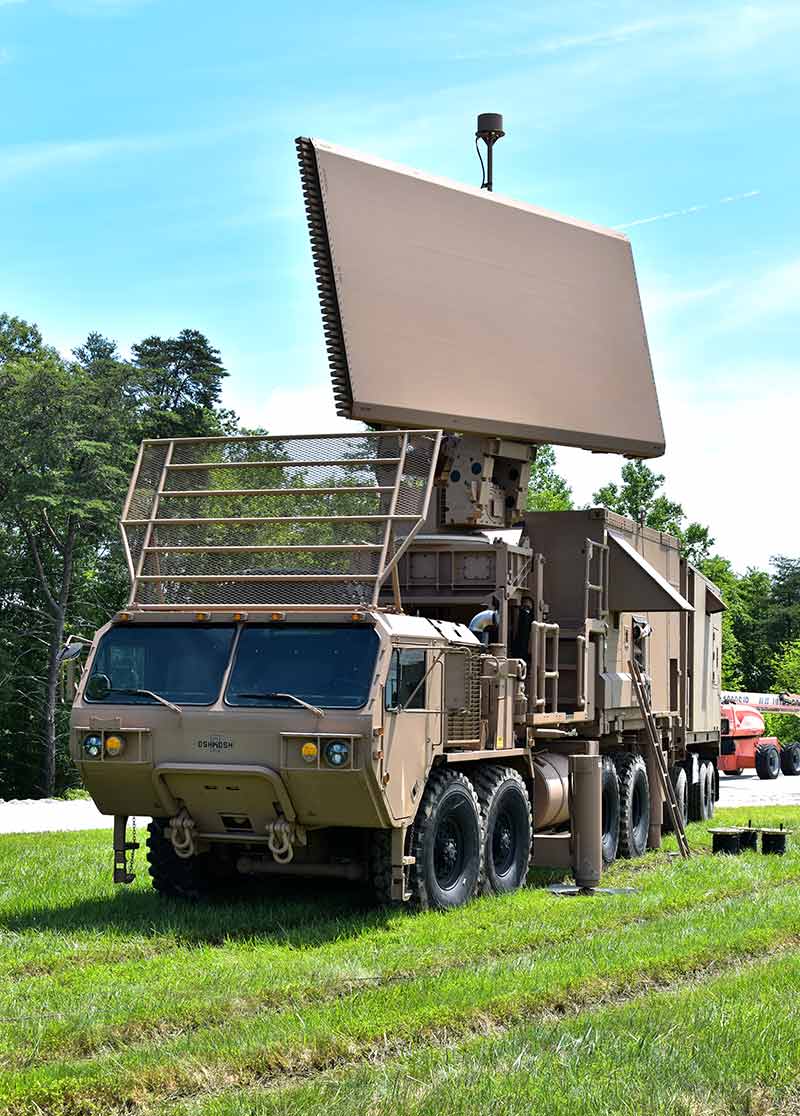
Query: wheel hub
[503, 844]
[448, 853]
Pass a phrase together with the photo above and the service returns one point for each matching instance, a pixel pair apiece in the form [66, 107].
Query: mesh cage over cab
[274, 521]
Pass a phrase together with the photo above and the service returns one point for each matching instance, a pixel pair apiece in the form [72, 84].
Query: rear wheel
[701, 793]
[507, 828]
[195, 878]
[634, 804]
[446, 841]
[710, 789]
[680, 784]
[610, 811]
[790, 759]
[768, 761]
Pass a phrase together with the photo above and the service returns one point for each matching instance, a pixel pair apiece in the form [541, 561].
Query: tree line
[70, 434]
[71, 428]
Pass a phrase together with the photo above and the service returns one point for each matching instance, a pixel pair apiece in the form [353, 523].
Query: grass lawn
[683, 997]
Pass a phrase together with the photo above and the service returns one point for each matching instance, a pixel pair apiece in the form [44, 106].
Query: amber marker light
[115, 744]
[309, 751]
[277, 615]
[202, 616]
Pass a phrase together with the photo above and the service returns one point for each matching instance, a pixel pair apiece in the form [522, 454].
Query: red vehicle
[744, 743]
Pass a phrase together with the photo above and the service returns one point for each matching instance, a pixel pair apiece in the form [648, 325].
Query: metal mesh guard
[303, 520]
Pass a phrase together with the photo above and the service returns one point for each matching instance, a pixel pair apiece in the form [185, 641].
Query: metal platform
[266, 522]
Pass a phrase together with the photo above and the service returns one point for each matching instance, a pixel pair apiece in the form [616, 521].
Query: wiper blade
[156, 697]
[289, 697]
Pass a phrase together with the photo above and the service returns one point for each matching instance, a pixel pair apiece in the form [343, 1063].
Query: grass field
[683, 997]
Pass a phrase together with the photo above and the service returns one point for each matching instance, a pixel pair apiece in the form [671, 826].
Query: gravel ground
[749, 790]
[45, 814]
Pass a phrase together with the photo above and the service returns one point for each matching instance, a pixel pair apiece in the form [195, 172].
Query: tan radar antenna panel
[447, 306]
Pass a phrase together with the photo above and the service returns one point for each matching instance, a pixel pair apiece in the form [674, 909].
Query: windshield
[183, 663]
[324, 664]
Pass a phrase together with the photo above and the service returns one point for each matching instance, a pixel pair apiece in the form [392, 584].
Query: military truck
[357, 655]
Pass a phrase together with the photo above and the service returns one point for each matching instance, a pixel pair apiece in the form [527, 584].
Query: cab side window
[406, 671]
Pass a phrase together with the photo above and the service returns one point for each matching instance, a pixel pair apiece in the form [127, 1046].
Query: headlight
[337, 752]
[114, 744]
[93, 746]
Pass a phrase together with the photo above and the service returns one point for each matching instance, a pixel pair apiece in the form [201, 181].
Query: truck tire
[634, 804]
[790, 759]
[507, 828]
[680, 784]
[446, 841]
[196, 878]
[701, 793]
[711, 789]
[768, 761]
[610, 823]
[380, 865]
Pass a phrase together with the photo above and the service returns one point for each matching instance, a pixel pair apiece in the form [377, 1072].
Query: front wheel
[446, 841]
[507, 828]
[195, 878]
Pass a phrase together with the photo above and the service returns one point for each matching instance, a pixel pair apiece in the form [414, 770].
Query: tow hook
[282, 836]
[181, 834]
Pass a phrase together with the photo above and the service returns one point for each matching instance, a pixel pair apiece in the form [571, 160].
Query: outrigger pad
[451, 307]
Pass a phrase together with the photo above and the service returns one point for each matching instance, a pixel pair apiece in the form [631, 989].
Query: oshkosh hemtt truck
[357, 655]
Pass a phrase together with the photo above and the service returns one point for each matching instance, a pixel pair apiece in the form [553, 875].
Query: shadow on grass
[292, 912]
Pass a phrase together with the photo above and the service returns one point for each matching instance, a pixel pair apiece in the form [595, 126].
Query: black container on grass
[725, 841]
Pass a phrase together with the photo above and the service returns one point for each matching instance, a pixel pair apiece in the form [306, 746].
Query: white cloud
[730, 462]
[16, 162]
[772, 293]
[689, 209]
[35, 158]
[285, 410]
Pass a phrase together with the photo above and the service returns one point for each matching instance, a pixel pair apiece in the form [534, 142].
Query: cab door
[412, 726]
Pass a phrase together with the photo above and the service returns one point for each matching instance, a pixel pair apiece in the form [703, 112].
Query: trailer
[357, 655]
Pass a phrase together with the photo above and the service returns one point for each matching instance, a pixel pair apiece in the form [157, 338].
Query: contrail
[690, 209]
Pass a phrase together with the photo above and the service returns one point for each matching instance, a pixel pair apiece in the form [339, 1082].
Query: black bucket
[748, 839]
[726, 841]
[773, 842]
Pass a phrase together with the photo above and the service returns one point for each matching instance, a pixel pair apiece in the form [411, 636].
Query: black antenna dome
[490, 130]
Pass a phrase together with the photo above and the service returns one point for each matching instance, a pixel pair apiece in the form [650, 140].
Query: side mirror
[98, 687]
[455, 682]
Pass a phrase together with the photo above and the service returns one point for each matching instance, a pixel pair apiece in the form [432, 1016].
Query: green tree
[638, 496]
[721, 572]
[751, 628]
[181, 385]
[71, 431]
[786, 680]
[783, 625]
[547, 489]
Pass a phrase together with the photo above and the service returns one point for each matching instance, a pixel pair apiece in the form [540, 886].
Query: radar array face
[445, 306]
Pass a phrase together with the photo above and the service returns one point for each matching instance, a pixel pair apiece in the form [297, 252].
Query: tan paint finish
[479, 313]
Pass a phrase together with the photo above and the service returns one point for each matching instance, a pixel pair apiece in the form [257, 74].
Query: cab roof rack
[273, 522]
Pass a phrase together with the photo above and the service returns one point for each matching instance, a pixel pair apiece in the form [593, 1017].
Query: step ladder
[653, 745]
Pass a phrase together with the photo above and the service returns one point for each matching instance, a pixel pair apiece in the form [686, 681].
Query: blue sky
[148, 183]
